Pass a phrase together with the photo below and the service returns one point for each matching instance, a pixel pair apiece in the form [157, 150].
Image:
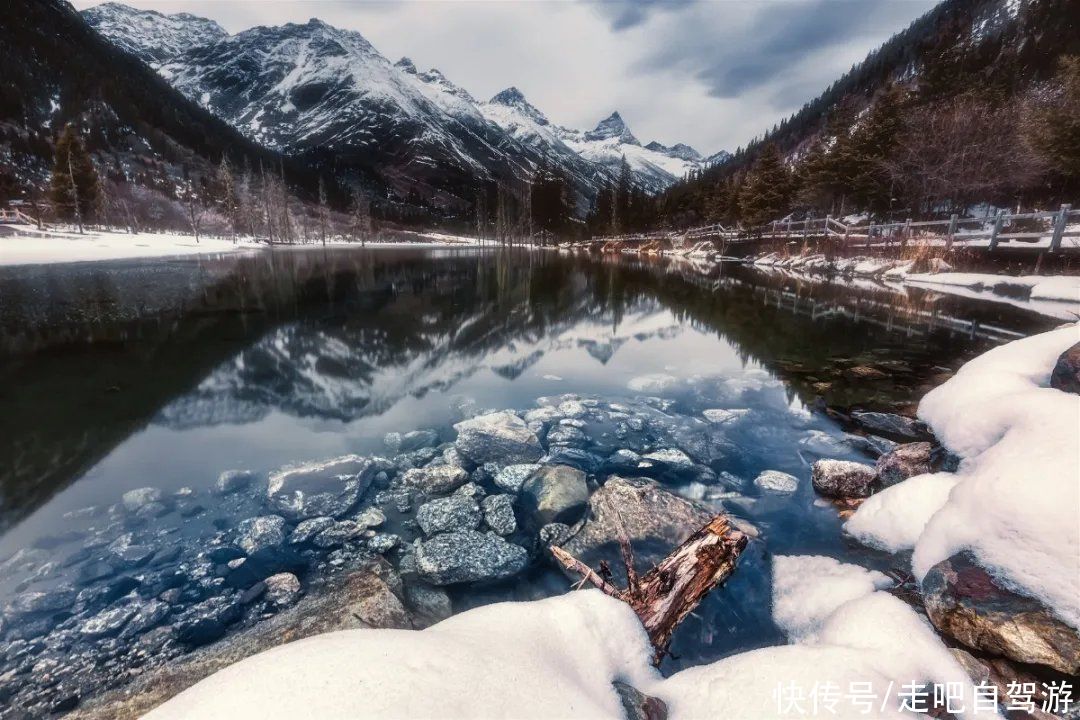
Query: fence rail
[16, 216]
[1053, 225]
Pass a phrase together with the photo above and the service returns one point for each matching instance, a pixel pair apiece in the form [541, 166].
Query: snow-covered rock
[904, 461]
[1016, 505]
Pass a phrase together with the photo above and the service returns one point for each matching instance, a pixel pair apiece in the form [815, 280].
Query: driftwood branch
[668, 592]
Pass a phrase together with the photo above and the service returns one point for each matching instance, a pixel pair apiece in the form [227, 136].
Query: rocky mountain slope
[319, 91]
[56, 69]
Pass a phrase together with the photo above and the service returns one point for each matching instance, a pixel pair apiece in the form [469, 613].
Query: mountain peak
[150, 35]
[681, 151]
[613, 126]
[510, 96]
[406, 65]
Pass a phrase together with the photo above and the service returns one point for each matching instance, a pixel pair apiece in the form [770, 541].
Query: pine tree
[766, 193]
[74, 190]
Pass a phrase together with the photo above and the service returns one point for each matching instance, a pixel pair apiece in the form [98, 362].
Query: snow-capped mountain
[611, 141]
[150, 35]
[315, 90]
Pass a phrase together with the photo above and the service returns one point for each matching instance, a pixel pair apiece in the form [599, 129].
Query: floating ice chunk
[776, 481]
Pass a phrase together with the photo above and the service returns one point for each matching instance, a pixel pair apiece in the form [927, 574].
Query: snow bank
[557, 658]
[546, 659]
[1017, 502]
[845, 633]
[36, 248]
[893, 519]
[809, 588]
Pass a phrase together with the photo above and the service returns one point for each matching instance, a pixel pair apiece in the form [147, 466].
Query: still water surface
[124, 375]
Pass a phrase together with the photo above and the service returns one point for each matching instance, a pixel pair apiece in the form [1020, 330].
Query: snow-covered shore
[53, 246]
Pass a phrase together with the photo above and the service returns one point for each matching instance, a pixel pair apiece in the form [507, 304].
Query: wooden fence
[1003, 227]
[16, 216]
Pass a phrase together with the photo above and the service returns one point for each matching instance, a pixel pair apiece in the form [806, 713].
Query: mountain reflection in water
[94, 355]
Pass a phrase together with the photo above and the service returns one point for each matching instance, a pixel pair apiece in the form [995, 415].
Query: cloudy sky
[711, 73]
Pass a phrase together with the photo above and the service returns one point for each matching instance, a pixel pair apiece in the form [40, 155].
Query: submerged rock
[136, 500]
[776, 481]
[656, 520]
[417, 440]
[468, 556]
[1066, 373]
[330, 487]
[457, 512]
[843, 479]
[231, 481]
[903, 462]
[435, 480]
[555, 493]
[259, 533]
[964, 602]
[890, 425]
[497, 437]
[306, 530]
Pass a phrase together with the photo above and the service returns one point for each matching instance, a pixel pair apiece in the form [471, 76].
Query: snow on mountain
[654, 168]
[313, 88]
[528, 126]
[151, 35]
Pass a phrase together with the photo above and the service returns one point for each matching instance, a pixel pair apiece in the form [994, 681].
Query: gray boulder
[499, 513]
[457, 512]
[843, 479]
[306, 530]
[107, 622]
[555, 493]
[432, 603]
[260, 533]
[497, 437]
[468, 556]
[510, 478]
[436, 479]
[338, 534]
[331, 487]
[639, 706]
[904, 461]
[966, 603]
[656, 521]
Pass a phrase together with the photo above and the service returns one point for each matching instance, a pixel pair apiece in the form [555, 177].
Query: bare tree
[196, 209]
[324, 211]
[962, 152]
[360, 226]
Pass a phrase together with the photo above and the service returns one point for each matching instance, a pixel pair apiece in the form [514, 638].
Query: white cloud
[713, 74]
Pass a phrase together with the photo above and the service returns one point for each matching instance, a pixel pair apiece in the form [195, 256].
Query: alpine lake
[127, 388]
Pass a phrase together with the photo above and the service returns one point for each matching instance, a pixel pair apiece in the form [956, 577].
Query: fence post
[952, 231]
[906, 233]
[998, 222]
[1059, 228]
